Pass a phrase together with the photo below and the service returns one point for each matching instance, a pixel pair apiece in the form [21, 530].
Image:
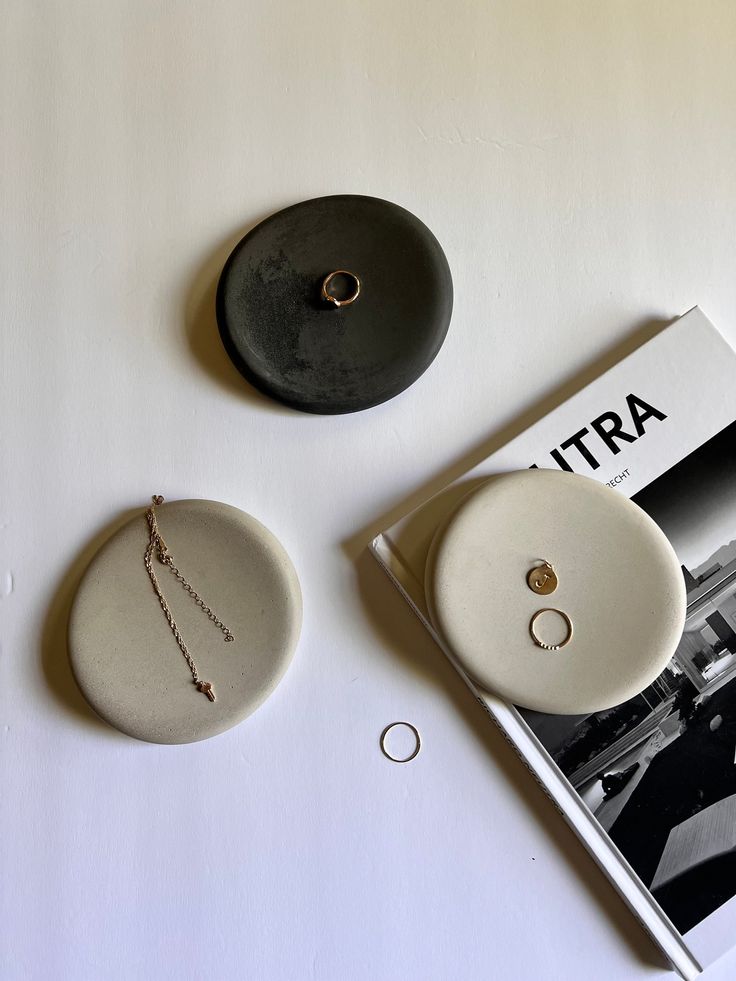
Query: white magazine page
[658, 773]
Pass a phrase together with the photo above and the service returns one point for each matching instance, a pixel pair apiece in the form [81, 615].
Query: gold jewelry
[542, 579]
[541, 643]
[157, 544]
[331, 298]
[386, 753]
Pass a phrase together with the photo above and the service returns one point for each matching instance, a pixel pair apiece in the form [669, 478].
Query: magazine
[650, 785]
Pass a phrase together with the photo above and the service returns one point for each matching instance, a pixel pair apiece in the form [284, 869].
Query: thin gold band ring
[331, 298]
[541, 643]
[394, 759]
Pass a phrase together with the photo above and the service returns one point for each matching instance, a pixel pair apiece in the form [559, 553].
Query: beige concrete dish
[619, 581]
[123, 654]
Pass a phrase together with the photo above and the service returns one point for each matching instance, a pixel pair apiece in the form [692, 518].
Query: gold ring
[386, 753]
[540, 643]
[331, 298]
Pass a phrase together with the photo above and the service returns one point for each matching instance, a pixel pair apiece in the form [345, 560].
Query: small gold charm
[206, 688]
[542, 579]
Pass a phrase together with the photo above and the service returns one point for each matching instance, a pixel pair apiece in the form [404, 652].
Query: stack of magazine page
[650, 785]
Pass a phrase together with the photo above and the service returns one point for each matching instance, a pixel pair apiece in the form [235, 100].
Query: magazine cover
[659, 771]
[650, 785]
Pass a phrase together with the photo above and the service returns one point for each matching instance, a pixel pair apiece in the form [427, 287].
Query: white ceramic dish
[619, 582]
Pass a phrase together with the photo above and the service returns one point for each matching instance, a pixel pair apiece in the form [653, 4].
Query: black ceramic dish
[296, 347]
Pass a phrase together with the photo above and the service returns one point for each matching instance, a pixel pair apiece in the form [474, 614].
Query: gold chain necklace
[157, 544]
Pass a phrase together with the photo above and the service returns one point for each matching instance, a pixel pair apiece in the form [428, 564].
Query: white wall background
[577, 161]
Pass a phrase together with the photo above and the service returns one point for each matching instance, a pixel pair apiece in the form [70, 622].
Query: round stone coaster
[122, 650]
[295, 346]
[618, 581]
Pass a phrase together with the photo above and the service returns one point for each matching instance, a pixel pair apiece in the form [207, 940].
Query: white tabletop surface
[576, 160]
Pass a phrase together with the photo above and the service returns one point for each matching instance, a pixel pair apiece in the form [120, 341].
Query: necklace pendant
[542, 579]
[206, 688]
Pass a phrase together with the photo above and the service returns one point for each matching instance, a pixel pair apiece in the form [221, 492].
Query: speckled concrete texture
[619, 581]
[124, 655]
[297, 348]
